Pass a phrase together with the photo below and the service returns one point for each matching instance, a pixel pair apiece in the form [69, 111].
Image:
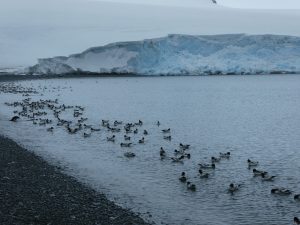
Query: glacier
[178, 54]
[42, 29]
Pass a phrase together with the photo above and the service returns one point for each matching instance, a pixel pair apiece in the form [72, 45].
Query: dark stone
[34, 192]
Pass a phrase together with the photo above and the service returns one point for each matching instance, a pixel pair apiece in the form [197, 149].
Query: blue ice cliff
[183, 55]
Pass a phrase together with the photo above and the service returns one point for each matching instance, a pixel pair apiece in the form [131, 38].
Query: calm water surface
[255, 117]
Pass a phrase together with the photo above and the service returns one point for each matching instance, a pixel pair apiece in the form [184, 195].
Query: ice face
[184, 55]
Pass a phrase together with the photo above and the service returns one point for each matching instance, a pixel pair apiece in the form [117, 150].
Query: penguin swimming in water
[14, 119]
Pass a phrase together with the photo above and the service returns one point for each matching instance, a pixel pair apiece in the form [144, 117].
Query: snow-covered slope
[184, 55]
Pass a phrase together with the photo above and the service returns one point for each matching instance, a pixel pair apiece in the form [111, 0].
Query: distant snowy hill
[184, 55]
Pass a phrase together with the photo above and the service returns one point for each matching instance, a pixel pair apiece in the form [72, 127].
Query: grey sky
[258, 4]
[273, 4]
[46, 28]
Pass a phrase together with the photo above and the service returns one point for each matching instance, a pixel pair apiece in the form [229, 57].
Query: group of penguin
[235, 187]
[34, 110]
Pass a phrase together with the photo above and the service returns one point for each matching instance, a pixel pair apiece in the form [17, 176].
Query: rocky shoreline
[17, 77]
[34, 192]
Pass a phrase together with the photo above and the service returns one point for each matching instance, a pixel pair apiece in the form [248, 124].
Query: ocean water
[256, 117]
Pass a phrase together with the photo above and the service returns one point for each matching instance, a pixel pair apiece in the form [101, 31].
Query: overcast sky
[277, 4]
[31, 29]
[258, 4]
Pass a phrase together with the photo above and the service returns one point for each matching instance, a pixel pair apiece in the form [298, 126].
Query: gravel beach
[34, 192]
